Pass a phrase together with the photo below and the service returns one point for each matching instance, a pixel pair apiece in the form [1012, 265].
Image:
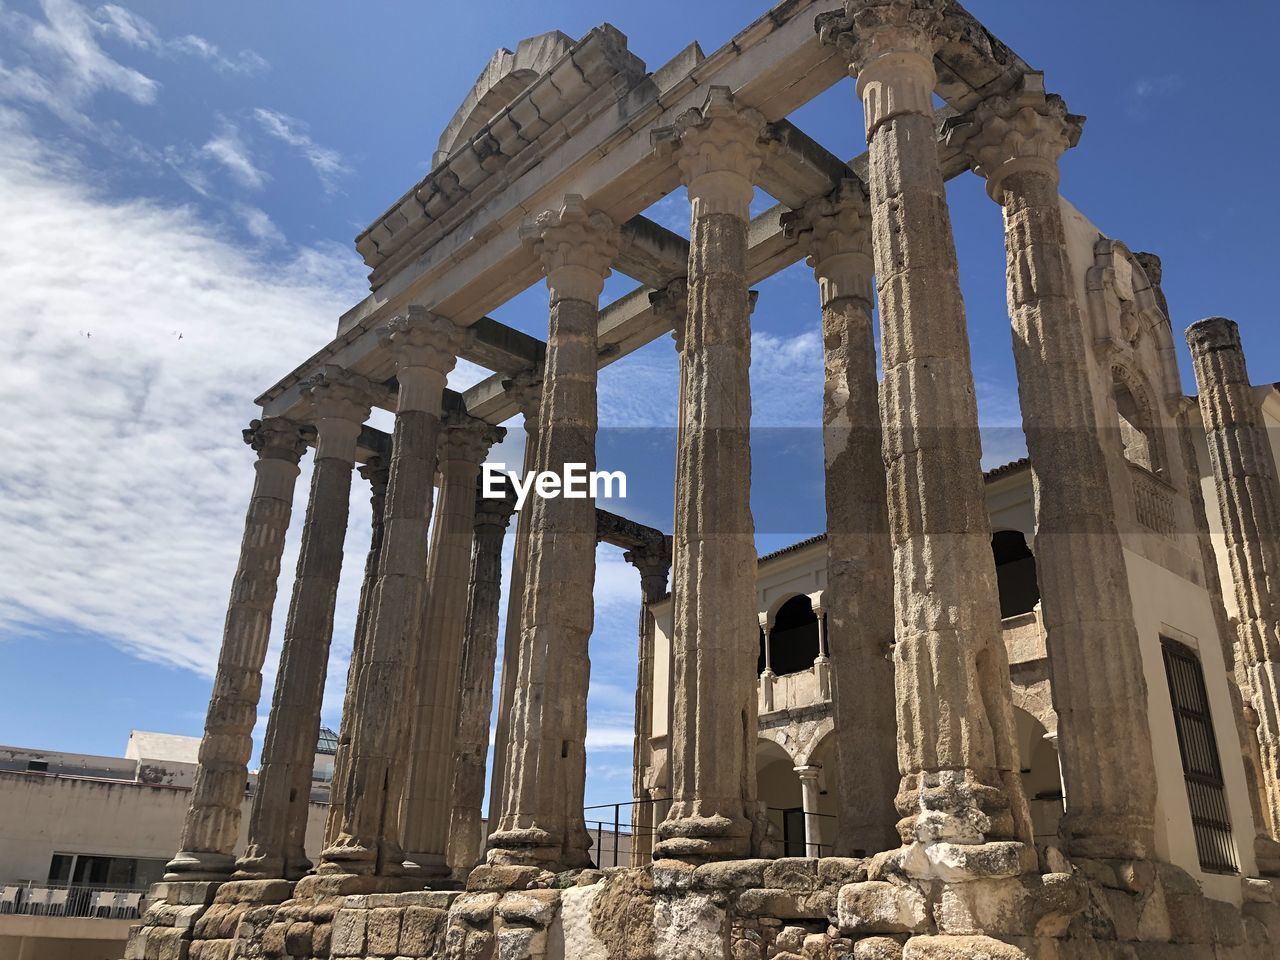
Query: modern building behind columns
[947, 695]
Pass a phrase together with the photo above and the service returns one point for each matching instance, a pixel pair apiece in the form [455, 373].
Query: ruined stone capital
[495, 512]
[1023, 130]
[1219, 338]
[836, 232]
[468, 440]
[889, 45]
[377, 471]
[525, 390]
[577, 247]
[653, 560]
[718, 148]
[339, 403]
[671, 304]
[425, 348]
[275, 438]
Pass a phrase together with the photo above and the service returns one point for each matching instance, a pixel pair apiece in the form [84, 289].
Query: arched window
[1015, 573]
[1137, 431]
[793, 641]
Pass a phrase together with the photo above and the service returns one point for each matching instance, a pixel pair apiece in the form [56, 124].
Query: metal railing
[802, 846]
[614, 837]
[94, 900]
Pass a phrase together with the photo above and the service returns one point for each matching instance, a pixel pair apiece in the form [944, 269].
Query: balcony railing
[36, 898]
[1153, 501]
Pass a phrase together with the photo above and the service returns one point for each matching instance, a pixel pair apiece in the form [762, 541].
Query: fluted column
[546, 764]
[423, 347]
[339, 405]
[956, 748]
[1249, 502]
[479, 652]
[1095, 664]
[207, 848]
[654, 564]
[525, 389]
[376, 470]
[714, 814]
[426, 804]
[859, 627]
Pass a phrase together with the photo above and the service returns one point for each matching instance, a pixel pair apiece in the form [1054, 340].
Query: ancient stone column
[423, 347]
[526, 390]
[767, 676]
[479, 653]
[207, 850]
[714, 813]
[956, 747]
[339, 405]
[546, 762]
[376, 470]
[1095, 664]
[654, 564]
[836, 232]
[425, 808]
[1249, 502]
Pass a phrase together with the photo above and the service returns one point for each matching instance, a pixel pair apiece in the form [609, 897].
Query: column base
[952, 805]
[347, 856]
[524, 847]
[200, 866]
[1098, 836]
[261, 867]
[697, 839]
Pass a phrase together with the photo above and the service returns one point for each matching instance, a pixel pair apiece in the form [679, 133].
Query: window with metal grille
[1200, 764]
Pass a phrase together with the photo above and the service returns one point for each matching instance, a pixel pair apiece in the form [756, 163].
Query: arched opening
[793, 641]
[760, 660]
[1041, 776]
[1015, 573]
[1137, 433]
[778, 790]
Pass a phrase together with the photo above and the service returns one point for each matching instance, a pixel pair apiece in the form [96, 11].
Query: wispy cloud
[125, 507]
[227, 148]
[259, 226]
[1145, 89]
[136, 31]
[327, 163]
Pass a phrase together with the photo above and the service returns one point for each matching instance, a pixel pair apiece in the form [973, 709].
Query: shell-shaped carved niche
[1128, 318]
[507, 75]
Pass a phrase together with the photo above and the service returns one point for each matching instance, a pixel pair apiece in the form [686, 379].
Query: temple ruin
[1027, 714]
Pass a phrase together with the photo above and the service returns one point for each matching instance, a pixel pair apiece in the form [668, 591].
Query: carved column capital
[496, 512]
[377, 471]
[468, 440]
[671, 305]
[836, 232]
[1025, 129]
[525, 390]
[653, 560]
[577, 247]
[339, 403]
[719, 148]
[424, 346]
[889, 45]
[275, 438]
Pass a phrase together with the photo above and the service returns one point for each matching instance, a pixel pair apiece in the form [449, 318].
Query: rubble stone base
[787, 909]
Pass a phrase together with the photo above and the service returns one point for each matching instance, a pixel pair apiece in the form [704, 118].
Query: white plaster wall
[1167, 605]
[41, 815]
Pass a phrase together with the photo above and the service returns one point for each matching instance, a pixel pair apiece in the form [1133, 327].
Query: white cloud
[260, 226]
[227, 148]
[136, 338]
[115, 21]
[327, 163]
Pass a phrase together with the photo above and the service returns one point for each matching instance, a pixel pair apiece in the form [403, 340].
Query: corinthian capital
[835, 230]
[671, 305]
[274, 438]
[577, 247]
[334, 393]
[525, 390]
[719, 148]
[1025, 129]
[468, 439]
[420, 338]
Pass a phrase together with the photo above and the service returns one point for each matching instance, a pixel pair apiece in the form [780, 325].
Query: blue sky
[179, 187]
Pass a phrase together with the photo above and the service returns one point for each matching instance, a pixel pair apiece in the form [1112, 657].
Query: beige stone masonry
[858, 600]
[713, 733]
[1249, 503]
[340, 404]
[956, 749]
[424, 346]
[1095, 665]
[426, 805]
[213, 818]
[377, 471]
[541, 820]
[479, 653]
